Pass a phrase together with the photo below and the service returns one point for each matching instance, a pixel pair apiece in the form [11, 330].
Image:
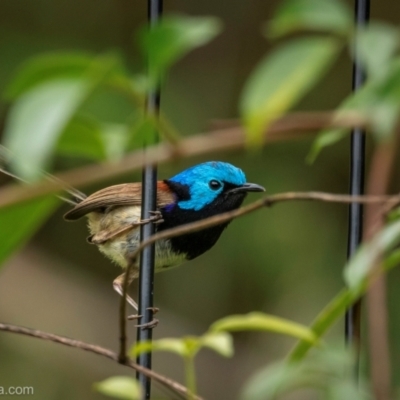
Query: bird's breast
[117, 236]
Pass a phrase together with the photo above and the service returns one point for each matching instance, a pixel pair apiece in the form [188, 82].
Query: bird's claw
[134, 316]
[148, 325]
[156, 218]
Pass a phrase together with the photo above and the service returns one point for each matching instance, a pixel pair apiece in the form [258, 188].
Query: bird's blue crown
[198, 179]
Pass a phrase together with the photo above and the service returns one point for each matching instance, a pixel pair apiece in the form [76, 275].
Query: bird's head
[213, 183]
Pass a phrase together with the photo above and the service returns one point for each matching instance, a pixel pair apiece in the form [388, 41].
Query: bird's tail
[74, 197]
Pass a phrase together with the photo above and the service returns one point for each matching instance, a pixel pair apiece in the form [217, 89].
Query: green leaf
[173, 38]
[38, 118]
[47, 67]
[188, 346]
[115, 138]
[141, 132]
[367, 256]
[83, 137]
[257, 321]
[377, 44]
[328, 370]
[281, 79]
[327, 16]
[172, 345]
[220, 342]
[378, 100]
[20, 221]
[119, 387]
[339, 304]
[361, 101]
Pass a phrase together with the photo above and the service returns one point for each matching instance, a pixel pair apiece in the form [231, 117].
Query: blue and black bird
[199, 192]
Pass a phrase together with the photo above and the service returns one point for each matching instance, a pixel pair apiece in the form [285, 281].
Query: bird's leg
[118, 287]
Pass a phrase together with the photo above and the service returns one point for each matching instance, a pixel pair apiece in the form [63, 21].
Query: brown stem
[379, 179]
[292, 126]
[163, 380]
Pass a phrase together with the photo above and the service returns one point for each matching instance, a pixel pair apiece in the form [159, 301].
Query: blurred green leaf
[173, 37]
[339, 304]
[188, 346]
[140, 131]
[327, 16]
[38, 117]
[115, 138]
[47, 67]
[377, 44]
[220, 342]
[20, 221]
[83, 137]
[257, 321]
[393, 215]
[367, 256]
[327, 371]
[171, 345]
[37, 120]
[378, 100]
[281, 79]
[119, 387]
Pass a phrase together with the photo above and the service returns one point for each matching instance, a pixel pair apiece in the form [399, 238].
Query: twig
[292, 126]
[163, 380]
[266, 201]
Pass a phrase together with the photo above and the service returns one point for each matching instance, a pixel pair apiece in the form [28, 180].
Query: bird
[201, 191]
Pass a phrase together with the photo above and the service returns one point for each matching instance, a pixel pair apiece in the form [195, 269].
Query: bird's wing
[126, 194]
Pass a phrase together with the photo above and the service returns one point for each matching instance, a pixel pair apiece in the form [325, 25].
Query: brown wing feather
[118, 195]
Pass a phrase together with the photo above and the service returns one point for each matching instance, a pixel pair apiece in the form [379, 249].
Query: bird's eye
[215, 185]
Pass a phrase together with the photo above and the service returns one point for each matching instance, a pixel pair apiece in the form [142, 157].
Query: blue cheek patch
[201, 195]
[197, 178]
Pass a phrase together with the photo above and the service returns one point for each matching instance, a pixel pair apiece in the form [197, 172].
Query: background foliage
[285, 261]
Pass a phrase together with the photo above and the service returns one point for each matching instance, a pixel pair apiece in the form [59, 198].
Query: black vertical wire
[149, 203]
[357, 172]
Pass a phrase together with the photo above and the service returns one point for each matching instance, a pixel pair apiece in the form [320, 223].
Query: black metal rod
[149, 203]
[357, 173]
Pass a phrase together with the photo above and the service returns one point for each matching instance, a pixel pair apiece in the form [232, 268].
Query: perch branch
[266, 201]
[291, 126]
[163, 380]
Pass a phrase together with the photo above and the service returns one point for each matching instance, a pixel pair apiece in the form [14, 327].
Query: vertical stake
[357, 172]
[149, 203]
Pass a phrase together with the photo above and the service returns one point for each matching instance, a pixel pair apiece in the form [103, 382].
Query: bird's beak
[248, 187]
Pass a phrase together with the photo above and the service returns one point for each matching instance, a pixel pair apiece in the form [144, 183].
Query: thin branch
[266, 201]
[163, 380]
[292, 126]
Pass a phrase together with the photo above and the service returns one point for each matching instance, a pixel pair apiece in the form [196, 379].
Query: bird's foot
[156, 218]
[148, 325]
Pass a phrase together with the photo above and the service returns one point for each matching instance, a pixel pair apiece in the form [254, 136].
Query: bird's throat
[195, 244]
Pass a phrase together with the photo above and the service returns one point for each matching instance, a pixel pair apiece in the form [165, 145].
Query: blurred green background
[285, 261]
